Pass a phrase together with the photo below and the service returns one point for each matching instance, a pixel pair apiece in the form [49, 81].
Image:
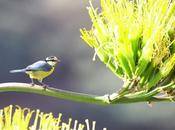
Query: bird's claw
[32, 84]
[45, 86]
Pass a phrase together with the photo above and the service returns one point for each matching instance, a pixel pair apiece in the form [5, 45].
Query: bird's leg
[43, 84]
[32, 83]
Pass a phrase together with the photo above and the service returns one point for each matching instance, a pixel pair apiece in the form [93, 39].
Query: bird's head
[52, 60]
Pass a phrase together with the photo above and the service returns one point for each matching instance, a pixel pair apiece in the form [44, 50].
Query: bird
[39, 70]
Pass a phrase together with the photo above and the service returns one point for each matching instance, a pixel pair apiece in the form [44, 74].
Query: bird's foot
[45, 86]
[32, 84]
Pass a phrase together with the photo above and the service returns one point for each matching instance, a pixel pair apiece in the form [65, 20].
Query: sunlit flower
[17, 118]
[135, 39]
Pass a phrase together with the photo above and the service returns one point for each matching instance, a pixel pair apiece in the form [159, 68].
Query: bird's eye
[51, 60]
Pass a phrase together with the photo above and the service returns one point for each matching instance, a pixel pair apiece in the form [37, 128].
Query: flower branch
[106, 99]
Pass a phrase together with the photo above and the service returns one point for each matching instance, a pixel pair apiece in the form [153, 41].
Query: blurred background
[32, 30]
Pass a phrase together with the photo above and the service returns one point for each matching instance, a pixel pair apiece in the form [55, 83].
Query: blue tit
[40, 69]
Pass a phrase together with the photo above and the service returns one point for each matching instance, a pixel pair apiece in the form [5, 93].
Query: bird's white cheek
[51, 63]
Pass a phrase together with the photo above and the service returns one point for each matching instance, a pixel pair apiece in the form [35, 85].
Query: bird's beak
[58, 60]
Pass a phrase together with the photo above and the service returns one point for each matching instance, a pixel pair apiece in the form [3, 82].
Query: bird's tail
[18, 71]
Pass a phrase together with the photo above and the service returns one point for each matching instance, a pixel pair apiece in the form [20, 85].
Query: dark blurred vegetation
[32, 30]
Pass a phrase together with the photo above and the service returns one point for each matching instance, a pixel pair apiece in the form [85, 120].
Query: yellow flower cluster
[16, 118]
[135, 39]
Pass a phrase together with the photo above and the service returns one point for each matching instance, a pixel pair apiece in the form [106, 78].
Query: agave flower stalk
[136, 41]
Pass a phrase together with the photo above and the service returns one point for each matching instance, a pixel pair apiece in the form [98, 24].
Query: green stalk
[79, 97]
[52, 92]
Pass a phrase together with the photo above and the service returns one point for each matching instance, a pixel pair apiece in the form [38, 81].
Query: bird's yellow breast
[39, 75]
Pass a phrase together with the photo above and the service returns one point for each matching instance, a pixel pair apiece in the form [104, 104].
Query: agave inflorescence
[17, 118]
[136, 41]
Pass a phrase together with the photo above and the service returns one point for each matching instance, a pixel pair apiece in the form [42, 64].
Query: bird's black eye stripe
[29, 70]
[51, 60]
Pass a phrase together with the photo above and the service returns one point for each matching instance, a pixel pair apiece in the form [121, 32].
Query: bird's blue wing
[39, 66]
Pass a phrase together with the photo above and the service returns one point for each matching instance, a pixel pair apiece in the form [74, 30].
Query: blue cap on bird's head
[52, 60]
